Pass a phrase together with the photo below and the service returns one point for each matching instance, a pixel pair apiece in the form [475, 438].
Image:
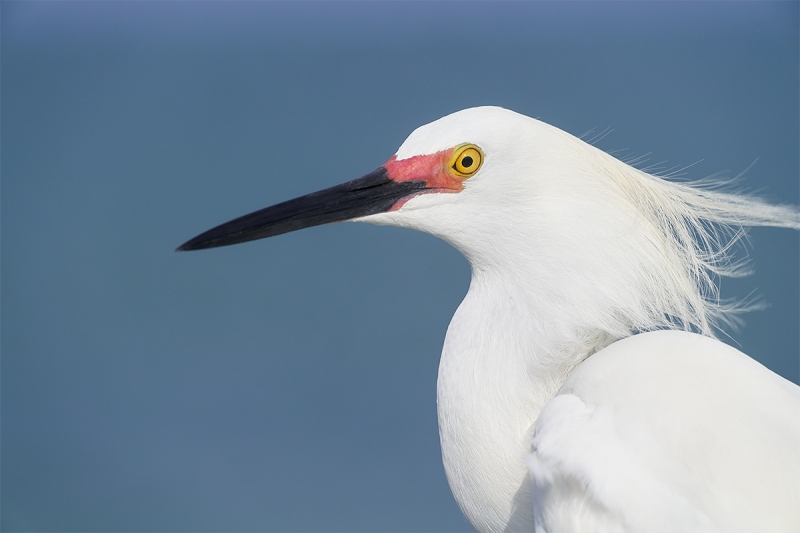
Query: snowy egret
[580, 386]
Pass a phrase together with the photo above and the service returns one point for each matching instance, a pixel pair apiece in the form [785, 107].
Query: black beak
[367, 195]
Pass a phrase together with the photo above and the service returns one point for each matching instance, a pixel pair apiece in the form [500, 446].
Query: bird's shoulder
[669, 430]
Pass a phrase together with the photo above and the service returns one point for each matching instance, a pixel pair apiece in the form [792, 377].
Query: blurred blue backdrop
[289, 384]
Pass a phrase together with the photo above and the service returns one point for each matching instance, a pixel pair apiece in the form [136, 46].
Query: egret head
[471, 178]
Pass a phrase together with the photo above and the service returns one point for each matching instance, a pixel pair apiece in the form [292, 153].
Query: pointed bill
[367, 195]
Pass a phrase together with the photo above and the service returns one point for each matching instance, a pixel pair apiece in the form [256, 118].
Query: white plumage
[560, 406]
[572, 250]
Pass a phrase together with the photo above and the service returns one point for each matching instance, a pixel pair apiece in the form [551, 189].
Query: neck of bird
[504, 358]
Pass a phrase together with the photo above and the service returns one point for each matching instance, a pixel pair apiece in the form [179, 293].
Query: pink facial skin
[433, 169]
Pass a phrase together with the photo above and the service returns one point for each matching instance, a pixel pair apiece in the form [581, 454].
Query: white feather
[646, 455]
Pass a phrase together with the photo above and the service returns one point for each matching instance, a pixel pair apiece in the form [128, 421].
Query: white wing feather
[668, 431]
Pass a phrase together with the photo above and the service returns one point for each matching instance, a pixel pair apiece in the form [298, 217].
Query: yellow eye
[467, 160]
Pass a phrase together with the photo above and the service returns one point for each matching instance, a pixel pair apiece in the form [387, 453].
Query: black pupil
[466, 162]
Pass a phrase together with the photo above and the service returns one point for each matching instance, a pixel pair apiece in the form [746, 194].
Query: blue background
[289, 384]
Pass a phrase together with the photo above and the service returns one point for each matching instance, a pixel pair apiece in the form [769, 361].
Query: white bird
[571, 394]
